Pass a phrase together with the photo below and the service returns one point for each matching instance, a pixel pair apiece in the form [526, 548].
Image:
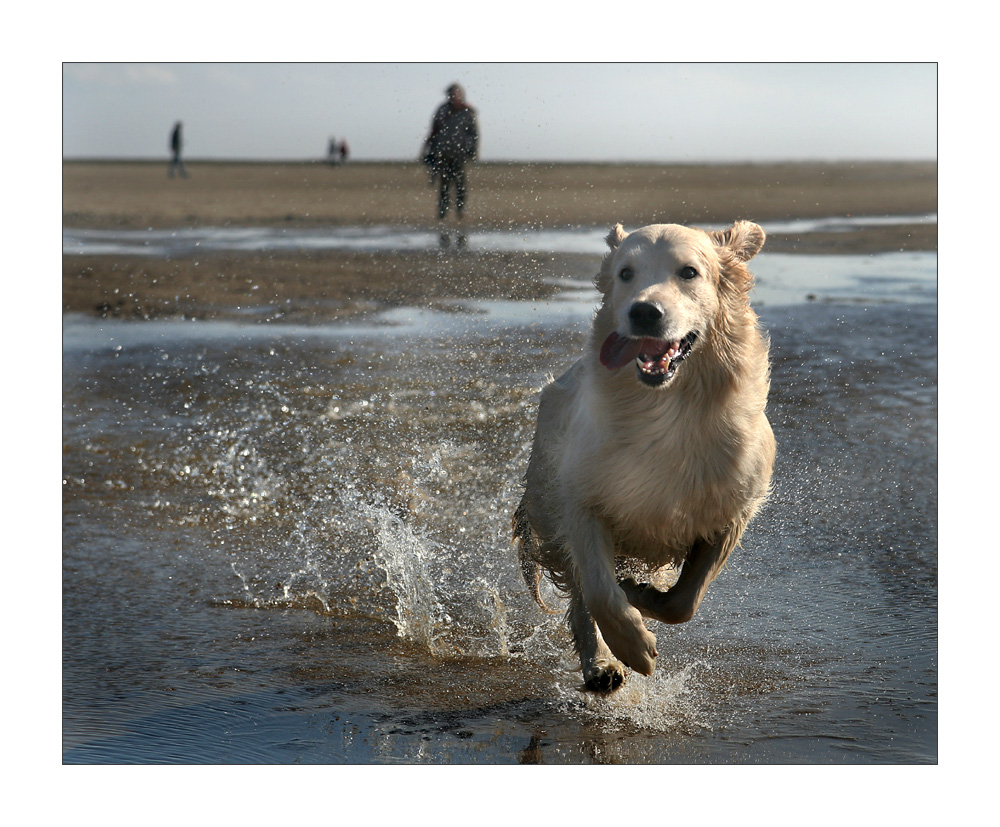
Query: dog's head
[666, 289]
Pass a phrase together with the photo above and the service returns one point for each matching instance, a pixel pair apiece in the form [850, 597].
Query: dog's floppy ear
[603, 279]
[616, 236]
[744, 238]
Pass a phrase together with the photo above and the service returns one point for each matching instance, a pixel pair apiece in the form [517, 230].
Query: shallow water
[188, 241]
[291, 544]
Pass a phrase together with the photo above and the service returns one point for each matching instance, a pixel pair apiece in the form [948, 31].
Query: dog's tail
[527, 548]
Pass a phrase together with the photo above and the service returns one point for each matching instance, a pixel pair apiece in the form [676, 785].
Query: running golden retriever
[653, 450]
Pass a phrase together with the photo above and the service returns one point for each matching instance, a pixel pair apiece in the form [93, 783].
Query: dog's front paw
[633, 644]
[603, 675]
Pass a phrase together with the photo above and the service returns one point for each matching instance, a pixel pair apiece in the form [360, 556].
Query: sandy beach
[286, 525]
[313, 285]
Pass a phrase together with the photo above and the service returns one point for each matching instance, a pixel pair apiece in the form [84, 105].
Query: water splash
[667, 701]
[316, 510]
[404, 556]
[495, 610]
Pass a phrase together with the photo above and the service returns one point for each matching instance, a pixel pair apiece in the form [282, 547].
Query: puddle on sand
[781, 279]
[381, 239]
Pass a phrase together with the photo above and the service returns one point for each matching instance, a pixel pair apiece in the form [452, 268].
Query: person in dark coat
[176, 144]
[452, 142]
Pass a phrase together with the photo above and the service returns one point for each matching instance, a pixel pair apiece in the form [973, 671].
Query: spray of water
[666, 701]
[323, 511]
[404, 557]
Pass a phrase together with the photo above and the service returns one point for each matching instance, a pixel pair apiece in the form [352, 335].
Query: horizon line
[83, 159]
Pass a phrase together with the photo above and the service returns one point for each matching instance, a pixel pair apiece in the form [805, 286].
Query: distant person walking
[176, 145]
[337, 152]
[452, 142]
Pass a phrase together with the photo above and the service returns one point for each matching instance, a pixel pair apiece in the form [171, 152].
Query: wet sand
[286, 548]
[314, 285]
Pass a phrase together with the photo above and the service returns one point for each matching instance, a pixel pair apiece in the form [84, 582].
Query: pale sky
[657, 112]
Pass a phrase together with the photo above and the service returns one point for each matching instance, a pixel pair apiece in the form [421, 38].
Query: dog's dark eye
[688, 272]
[625, 273]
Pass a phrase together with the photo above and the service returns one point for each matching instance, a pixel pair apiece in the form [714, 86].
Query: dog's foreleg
[619, 623]
[681, 601]
[602, 671]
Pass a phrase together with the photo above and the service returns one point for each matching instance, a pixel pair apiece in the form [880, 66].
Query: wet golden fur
[625, 476]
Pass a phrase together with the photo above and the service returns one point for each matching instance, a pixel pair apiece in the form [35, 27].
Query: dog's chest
[670, 480]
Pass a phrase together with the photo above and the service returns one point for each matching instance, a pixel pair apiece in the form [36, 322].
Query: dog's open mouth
[655, 359]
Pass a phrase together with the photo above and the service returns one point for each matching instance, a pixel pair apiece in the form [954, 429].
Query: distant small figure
[336, 152]
[452, 141]
[176, 144]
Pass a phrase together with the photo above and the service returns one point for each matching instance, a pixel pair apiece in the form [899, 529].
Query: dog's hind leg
[681, 601]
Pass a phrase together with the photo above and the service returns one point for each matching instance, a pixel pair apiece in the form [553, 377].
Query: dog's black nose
[645, 316]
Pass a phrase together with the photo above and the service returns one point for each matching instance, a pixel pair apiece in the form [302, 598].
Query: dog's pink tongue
[619, 350]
